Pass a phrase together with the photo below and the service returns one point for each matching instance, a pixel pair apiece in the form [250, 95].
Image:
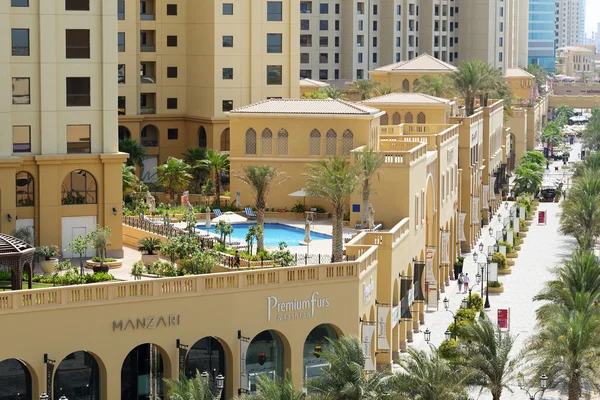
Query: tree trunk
[365, 208]
[496, 393]
[575, 387]
[217, 189]
[260, 222]
[337, 239]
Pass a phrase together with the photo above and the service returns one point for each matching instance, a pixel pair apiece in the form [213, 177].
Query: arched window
[202, 142]
[347, 142]
[331, 143]
[265, 356]
[282, 142]
[225, 140]
[317, 341]
[266, 142]
[415, 84]
[79, 187]
[142, 373]
[150, 136]
[396, 119]
[405, 86]
[16, 379]
[78, 373]
[124, 133]
[315, 143]
[383, 120]
[25, 190]
[408, 118]
[421, 119]
[250, 141]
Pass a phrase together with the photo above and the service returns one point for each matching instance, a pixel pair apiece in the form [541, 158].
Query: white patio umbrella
[299, 193]
[307, 238]
[230, 217]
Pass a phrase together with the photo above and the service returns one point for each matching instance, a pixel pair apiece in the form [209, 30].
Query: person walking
[466, 282]
[460, 282]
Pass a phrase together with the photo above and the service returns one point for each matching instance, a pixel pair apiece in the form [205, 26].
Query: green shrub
[501, 260]
[509, 247]
[460, 324]
[98, 259]
[522, 224]
[164, 269]
[466, 314]
[298, 208]
[449, 350]
[476, 302]
[494, 284]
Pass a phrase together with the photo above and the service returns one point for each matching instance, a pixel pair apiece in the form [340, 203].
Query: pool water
[274, 234]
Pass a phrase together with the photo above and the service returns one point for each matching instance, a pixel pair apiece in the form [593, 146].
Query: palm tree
[333, 92]
[276, 389]
[189, 389]
[129, 178]
[382, 90]
[218, 164]
[261, 178]
[468, 80]
[540, 76]
[315, 95]
[369, 163]
[193, 157]
[344, 378]
[364, 87]
[591, 134]
[491, 83]
[580, 214]
[528, 178]
[427, 376]
[435, 85]
[175, 175]
[137, 152]
[489, 355]
[334, 180]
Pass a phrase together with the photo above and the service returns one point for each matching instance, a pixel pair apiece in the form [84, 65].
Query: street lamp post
[477, 282]
[218, 381]
[485, 265]
[541, 390]
[44, 396]
[451, 335]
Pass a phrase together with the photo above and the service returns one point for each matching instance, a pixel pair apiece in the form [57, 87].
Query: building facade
[60, 169]
[570, 23]
[541, 34]
[576, 61]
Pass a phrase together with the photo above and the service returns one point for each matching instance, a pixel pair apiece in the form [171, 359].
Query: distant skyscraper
[541, 34]
[570, 22]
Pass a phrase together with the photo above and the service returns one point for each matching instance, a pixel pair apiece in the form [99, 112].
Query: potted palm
[149, 245]
[48, 263]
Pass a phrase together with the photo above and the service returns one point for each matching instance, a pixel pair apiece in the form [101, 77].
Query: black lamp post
[219, 382]
[477, 282]
[485, 265]
[542, 389]
[451, 335]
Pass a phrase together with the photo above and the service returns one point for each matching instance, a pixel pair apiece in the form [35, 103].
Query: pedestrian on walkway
[466, 282]
[460, 282]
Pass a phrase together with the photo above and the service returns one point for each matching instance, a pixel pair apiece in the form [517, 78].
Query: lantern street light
[218, 382]
[487, 259]
[427, 335]
[44, 396]
[450, 335]
[471, 287]
[541, 390]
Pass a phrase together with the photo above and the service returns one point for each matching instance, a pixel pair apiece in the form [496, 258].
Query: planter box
[100, 269]
[506, 271]
[523, 234]
[517, 248]
[91, 264]
[511, 263]
[48, 266]
[496, 289]
[323, 215]
[256, 264]
[528, 222]
[149, 259]
[346, 223]
[512, 255]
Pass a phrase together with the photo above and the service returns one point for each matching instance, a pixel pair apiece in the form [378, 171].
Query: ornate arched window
[405, 86]
[315, 143]
[347, 142]
[396, 119]
[250, 141]
[331, 143]
[150, 136]
[79, 187]
[421, 119]
[124, 133]
[266, 142]
[408, 118]
[25, 190]
[202, 142]
[282, 142]
[415, 84]
[383, 120]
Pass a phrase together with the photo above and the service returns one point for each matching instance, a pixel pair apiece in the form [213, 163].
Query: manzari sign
[149, 322]
[295, 309]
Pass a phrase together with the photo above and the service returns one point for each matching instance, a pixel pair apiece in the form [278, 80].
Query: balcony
[147, 41]
[148, 103]
[147, 72]
[147, 10]
[434, 135]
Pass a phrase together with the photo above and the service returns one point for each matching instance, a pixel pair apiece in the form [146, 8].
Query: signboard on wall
[504, 318]
[244, 344]
[474, 136]
[445, 248]
[367, 342]
[461, 226]
[429, 274]
[382, 316]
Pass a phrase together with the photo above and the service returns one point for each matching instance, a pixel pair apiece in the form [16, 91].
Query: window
[306, 7]
[282, 143]
[360, 57]
[172, 134]
[274, 43]
[227, 105]
[171, 72]
[20, 42]
[25, 190]
[274, 11]
[77, 5]
[250, 141]
[360, 25]
[227, 73]
[78, 139]
[304, 24]
[314, 143]
[360, 74]
[274, 74]
[375, 41]
[20, 91]
[227, 41]
[305, 74]
[374, 57]
[337, 24]
[324, 8]
[500, 57]
[77, 42]
[323, 41]
[323, 58]
[348, 141]
[336, 58]
[305, 40]
[375, 26]
[500, 42]
[408, 118]
[331, 143]
[78, 92]
[121, 105]
[172, 103]
[171, 41]
[323, 74]
[337, 8]
[21, 139]
[337, 41]
[266, 144]
[304, 58]
[121, 41]
[323, 25]
[336, 74]
[171, 9]
[79, 187]
[121, 73]
[501, 26]
[374, 9]
[19, 3]
[227, 8]
[121, 10]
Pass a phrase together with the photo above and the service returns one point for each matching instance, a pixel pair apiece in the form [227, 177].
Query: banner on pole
[492, 188]
[486, 196]
[475, 210]
[367, 339]
[493, 271]
[522, 213]
[49, 375]
[429, 274]
[504, 318]
[541, 217]
[445, 248]
[461, 226]
[502, 249]
[244, 383]
[182, 353]
[418, 270]
[382, 316]
[516, 225]
[510, 238]
[395, 316]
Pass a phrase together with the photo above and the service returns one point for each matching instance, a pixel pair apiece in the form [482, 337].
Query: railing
[20, 50]
[384, 239]
[147, 110]
[147, 17]
[147, 48]
[165, 230]
[227, 260]
[147, 79]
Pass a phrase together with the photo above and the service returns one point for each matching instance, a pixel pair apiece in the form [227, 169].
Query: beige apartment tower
[570, 23]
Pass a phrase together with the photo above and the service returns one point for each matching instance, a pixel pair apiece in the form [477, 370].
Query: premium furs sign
[295, 309]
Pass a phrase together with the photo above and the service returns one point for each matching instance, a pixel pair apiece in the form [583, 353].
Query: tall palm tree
[435, 85]
[539, 75]
[344, 378]
[333, 92]
[492, 84]
[427, 376]
[468, 80]
[137, 152]
[580, 214]
[218, 164]
[591, 134]
[489, 355]
[261, 178]
[364, 87]
[369, 162]
[175, 175]
[333, 180]
[528, 178]
[382, 90]
[193, 157]
[276, 389]
[129, 178]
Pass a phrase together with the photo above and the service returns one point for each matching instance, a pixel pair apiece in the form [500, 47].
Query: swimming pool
[274, 234]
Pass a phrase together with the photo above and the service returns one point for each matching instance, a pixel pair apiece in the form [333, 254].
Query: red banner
[503, 316]
[541, 217]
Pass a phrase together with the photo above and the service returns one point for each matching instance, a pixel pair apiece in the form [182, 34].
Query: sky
[592, 16]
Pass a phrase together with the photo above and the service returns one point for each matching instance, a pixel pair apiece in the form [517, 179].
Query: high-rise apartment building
[541, 34]
[60, 169]
[569, 23]
[183, 64]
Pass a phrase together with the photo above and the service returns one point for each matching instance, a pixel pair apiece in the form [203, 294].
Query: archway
[77, 377]
[124, 133]
[25, 189]
[207, 354]
[150, 136]
[265, 356]
[405, 86]
[225, 140]
[202, 140]
[315, 343]
[79, 187]
[142, 373]
[15, 380]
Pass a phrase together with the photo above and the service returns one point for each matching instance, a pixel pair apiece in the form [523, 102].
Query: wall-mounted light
[9, 217]
[114, 211]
